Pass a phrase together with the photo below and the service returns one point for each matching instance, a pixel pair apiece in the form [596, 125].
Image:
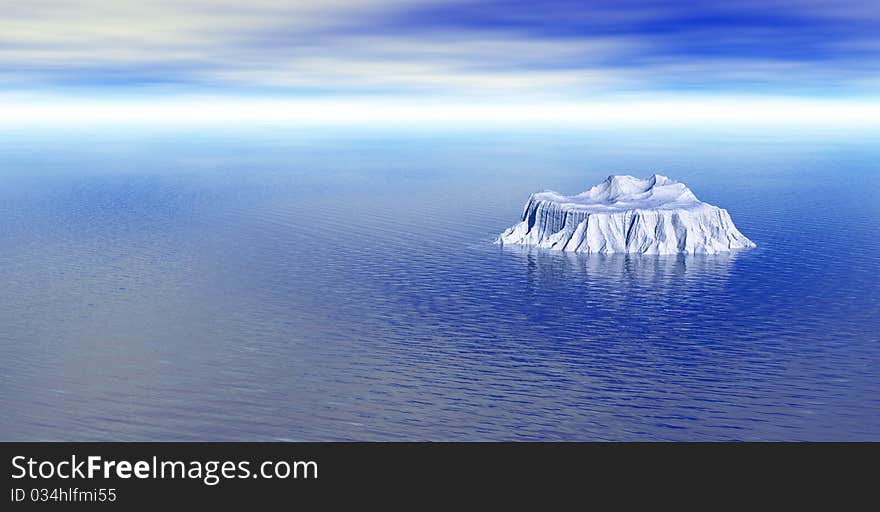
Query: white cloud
[303, 44]
[339, 46]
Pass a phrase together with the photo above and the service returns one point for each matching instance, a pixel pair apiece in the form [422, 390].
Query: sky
[492, 54]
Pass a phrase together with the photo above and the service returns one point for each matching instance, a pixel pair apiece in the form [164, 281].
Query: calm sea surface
[342, 284]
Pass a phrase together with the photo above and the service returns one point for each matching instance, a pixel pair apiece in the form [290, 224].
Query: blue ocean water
[278, 283]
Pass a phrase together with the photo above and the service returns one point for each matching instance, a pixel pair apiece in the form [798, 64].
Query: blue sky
[485, 52]
[507, 47]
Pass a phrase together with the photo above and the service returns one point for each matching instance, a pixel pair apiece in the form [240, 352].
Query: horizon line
[358, 110]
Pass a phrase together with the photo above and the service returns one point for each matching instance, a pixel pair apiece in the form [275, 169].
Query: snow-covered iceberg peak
[657, 215]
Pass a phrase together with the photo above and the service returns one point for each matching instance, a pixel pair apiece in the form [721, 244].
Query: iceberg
[624, 214]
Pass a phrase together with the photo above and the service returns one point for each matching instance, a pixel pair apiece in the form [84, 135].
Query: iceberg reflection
[641, 270]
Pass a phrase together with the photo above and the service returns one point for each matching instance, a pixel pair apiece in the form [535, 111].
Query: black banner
[123, 475]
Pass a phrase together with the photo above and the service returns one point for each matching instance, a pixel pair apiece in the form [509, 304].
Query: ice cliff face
[624, 214]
